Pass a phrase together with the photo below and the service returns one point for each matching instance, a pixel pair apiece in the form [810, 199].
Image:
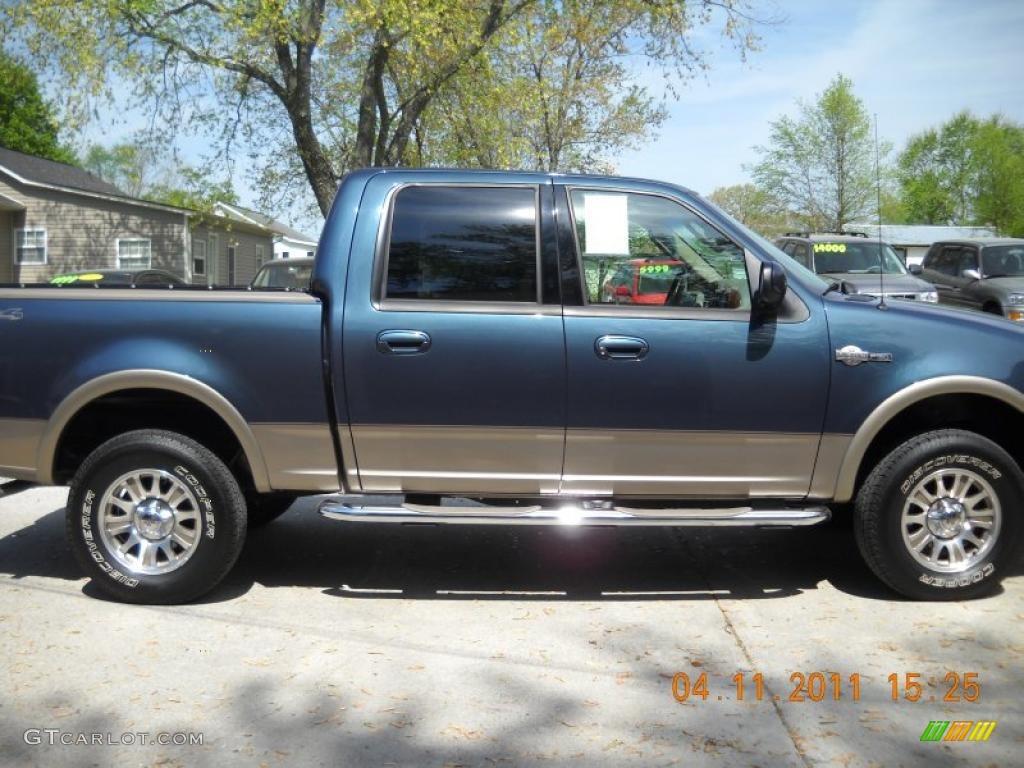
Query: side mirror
[771, 288]
[915, 269]
[971, 274]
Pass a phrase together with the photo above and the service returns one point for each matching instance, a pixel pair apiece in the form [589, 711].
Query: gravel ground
[355, 644]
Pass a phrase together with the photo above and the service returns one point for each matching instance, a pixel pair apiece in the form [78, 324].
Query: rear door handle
[402, 342]
[620, 348]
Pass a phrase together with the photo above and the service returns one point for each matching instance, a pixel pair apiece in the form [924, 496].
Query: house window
[134, 253]
[199, 258]
[284, 254]
[30, 246]
[259, 256]
[309, 254]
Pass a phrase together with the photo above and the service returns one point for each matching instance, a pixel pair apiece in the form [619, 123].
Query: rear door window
[463, 243]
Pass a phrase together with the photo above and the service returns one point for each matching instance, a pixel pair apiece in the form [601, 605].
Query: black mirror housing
[915, 269]
[772, 285]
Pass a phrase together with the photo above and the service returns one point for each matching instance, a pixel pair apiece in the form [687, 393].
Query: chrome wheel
[951, 520]
[150, 521]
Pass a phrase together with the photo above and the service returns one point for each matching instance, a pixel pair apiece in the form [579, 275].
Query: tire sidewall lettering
[93, 547]
[93, 544]
[980, 572]
[204, 498]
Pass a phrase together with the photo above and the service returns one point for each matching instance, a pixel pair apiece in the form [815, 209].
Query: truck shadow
[422, 562]
[382, 561]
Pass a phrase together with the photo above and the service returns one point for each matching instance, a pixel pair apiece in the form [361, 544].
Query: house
[912, 241]
[57, 218]
[288, 242]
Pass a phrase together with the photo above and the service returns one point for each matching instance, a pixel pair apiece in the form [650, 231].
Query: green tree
[353, 83]
[129, 165]
[753, 206]
[27, 121]
[142, 170]
[997, 160]
[821, 164]
[935, 172]
[966, 171]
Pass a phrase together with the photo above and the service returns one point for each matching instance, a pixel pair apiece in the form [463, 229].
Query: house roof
[56, 174]
[267, 222]
[39, 172]
[920, 234]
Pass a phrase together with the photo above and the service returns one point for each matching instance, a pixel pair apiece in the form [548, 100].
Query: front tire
[154, 517]
[939, 517]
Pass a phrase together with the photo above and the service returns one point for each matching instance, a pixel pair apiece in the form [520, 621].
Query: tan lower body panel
[299, 457]
[19, 447]
[527, 461]
[830, 461]
[473, 460]
[694, 464]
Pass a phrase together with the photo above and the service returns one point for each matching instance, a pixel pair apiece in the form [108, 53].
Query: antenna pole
[878, 201]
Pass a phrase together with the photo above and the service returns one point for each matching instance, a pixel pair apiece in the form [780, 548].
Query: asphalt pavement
[352, 644]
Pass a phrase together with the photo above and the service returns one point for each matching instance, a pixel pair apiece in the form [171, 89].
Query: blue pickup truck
[458, 340]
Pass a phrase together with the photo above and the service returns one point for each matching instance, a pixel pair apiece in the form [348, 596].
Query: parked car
[642, 281]
[101, 278]
[985, 274]
[449, 346]
[291, 274]
[859, 262]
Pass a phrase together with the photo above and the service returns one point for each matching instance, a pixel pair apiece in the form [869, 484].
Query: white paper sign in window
[607, 225]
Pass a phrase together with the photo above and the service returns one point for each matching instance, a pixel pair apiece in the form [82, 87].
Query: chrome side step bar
[575, 515]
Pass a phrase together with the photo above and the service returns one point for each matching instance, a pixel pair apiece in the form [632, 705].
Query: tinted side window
[968, 260]
[463, 244]
[947, 261]
[801, 254]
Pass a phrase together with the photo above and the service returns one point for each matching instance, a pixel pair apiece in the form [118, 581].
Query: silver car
[870, 266]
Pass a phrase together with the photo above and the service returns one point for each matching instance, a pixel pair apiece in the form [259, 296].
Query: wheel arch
[902, 402]
[147, 379]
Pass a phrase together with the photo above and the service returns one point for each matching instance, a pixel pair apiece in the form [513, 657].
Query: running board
[576, 515]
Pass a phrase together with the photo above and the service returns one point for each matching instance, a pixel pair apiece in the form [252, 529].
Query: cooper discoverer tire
[154, 517]
[939, 518]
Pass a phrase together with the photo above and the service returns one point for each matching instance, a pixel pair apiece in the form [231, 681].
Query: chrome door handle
[620, 348]
[402, 342]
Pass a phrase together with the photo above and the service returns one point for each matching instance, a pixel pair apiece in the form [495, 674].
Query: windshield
[856, 258]
[1003, 260]
[284, 275]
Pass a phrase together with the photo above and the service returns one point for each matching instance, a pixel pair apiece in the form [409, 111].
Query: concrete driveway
[351, 644]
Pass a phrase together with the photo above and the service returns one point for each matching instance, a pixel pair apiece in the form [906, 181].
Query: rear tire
[154, 517]
[939, 518]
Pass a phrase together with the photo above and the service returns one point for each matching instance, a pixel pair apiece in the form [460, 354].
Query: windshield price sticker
[830, 247]
[655, 269]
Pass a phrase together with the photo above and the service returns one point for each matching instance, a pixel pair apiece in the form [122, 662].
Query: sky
[914, 63]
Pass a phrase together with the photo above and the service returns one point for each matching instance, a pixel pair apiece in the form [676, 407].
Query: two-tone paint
[508, 399]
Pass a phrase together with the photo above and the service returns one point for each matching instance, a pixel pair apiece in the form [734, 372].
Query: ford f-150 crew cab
[457, 340]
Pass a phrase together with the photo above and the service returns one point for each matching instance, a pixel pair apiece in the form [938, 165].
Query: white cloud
[914, 63]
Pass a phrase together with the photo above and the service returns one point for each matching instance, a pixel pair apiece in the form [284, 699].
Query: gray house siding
[244, 242]
[82, 231]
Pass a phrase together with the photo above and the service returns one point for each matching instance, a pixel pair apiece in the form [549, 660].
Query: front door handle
[620, 348]
[402, 342]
